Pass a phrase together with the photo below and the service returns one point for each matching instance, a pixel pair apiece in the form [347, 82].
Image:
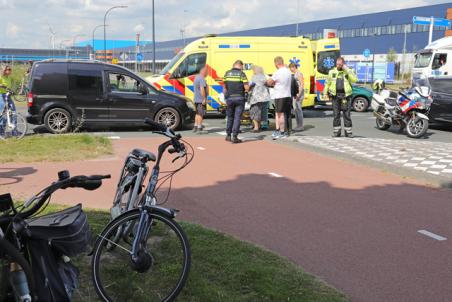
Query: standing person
[298, 95]
[259, 97]
[339, 87]
[281, 82]
[6, 83]
[235, 87]
[200, 99]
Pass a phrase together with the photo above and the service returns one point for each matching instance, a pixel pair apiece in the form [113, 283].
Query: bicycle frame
[137, 179]
[145, 222]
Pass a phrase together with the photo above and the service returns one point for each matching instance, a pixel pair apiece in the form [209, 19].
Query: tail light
[312, 86]
[30, 99]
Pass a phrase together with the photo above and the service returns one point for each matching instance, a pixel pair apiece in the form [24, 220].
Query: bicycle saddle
[143, 154]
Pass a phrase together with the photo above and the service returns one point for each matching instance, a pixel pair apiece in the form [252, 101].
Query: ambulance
[219, 53]
[326, 52]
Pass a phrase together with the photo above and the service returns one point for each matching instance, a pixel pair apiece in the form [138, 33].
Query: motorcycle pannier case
[52, 239]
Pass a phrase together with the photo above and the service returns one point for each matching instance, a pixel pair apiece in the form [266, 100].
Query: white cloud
[138, 28]
[12, 30]
[74, 17]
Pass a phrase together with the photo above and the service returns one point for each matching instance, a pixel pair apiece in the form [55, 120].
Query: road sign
[115, 61]
[123, 56]
[366, 53]
[427, 21]
[139, 57]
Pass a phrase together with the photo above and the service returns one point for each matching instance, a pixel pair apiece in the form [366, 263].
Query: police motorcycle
[407, 109]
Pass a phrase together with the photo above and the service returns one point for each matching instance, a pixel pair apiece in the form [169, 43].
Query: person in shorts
[200, 99]
[281, 82]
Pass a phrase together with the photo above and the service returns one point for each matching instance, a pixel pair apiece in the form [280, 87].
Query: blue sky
[25, 23]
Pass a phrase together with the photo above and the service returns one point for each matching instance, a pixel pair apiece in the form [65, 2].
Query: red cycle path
[353, 226]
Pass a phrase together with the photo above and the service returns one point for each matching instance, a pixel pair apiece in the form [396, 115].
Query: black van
[68, 93]
[441, 108]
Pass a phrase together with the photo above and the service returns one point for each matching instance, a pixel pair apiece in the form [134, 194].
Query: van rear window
[49, 78]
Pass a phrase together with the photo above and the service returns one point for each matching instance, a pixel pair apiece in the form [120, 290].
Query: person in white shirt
[281, 82]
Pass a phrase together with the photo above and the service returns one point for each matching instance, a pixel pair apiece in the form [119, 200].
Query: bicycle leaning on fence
[143, 254]
[12, 123]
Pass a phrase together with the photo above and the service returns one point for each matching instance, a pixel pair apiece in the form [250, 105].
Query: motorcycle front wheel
[416, 127]
[381, 124]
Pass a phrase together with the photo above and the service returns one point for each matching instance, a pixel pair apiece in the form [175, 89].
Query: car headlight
[191, 105]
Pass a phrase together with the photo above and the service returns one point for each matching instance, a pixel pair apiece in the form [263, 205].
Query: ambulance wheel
[169, 117]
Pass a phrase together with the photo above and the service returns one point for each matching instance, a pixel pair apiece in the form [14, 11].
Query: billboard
[384, 71]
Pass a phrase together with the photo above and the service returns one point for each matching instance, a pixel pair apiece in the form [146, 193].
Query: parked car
[441, 92]
[66, 93]
[361, 98]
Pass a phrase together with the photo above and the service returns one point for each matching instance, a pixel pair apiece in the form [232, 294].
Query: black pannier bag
[52, 239]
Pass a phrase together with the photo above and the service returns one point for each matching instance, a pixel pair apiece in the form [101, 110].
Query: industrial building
[379, 32]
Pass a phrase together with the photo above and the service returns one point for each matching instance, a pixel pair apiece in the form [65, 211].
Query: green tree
[391, 56]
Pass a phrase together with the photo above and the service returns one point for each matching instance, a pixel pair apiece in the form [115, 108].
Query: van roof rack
[73, 60]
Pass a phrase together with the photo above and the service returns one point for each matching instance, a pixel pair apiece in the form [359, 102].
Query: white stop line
[275, 175]
[432, 235]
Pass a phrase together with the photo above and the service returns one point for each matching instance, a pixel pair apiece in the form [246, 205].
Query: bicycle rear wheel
[9, 254]
[14, 126]
[164, 262]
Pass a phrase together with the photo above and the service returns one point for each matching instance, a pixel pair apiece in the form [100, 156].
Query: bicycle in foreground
[143, 254]
[35, 250]
[12, 123]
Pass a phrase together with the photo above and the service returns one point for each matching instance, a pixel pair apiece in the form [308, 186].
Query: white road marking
[222, 133]
[114, 137]
[201, 148]
[432, 235]
[275, 174]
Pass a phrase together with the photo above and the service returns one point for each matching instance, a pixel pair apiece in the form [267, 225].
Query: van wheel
[58, 120]
[360, 104]
[169, 117]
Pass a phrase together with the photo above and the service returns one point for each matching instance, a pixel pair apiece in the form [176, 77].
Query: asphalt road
[317, 123]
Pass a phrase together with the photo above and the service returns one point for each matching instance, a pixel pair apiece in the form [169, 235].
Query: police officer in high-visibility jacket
[235, 87]
[339, 89]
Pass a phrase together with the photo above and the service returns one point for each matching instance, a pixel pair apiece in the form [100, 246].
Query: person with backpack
[297, 89]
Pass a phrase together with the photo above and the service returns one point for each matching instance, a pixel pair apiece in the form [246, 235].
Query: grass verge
[226, 269]
[68, 147]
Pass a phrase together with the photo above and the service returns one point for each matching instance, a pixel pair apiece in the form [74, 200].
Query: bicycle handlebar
[155, 125]
[86, 182]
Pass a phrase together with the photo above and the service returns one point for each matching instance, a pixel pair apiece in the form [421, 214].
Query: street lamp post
[153, 37]
[105, 30]
[94, 31]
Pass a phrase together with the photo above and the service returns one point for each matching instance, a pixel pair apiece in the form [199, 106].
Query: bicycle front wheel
[162, 268]
[13, 126]
[9, 254]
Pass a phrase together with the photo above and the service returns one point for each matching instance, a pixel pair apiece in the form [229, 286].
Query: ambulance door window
[191, 65]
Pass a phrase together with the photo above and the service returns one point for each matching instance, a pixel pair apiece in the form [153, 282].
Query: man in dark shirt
[235, 87]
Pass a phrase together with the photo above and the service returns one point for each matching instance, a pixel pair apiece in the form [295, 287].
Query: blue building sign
[384, 71]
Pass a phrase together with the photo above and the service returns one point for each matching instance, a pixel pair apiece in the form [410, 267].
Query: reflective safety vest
[348, 76]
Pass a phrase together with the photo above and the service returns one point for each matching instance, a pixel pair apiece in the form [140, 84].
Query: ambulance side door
[183, 76]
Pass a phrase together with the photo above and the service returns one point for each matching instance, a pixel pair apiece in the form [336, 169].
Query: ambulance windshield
[171, 63]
